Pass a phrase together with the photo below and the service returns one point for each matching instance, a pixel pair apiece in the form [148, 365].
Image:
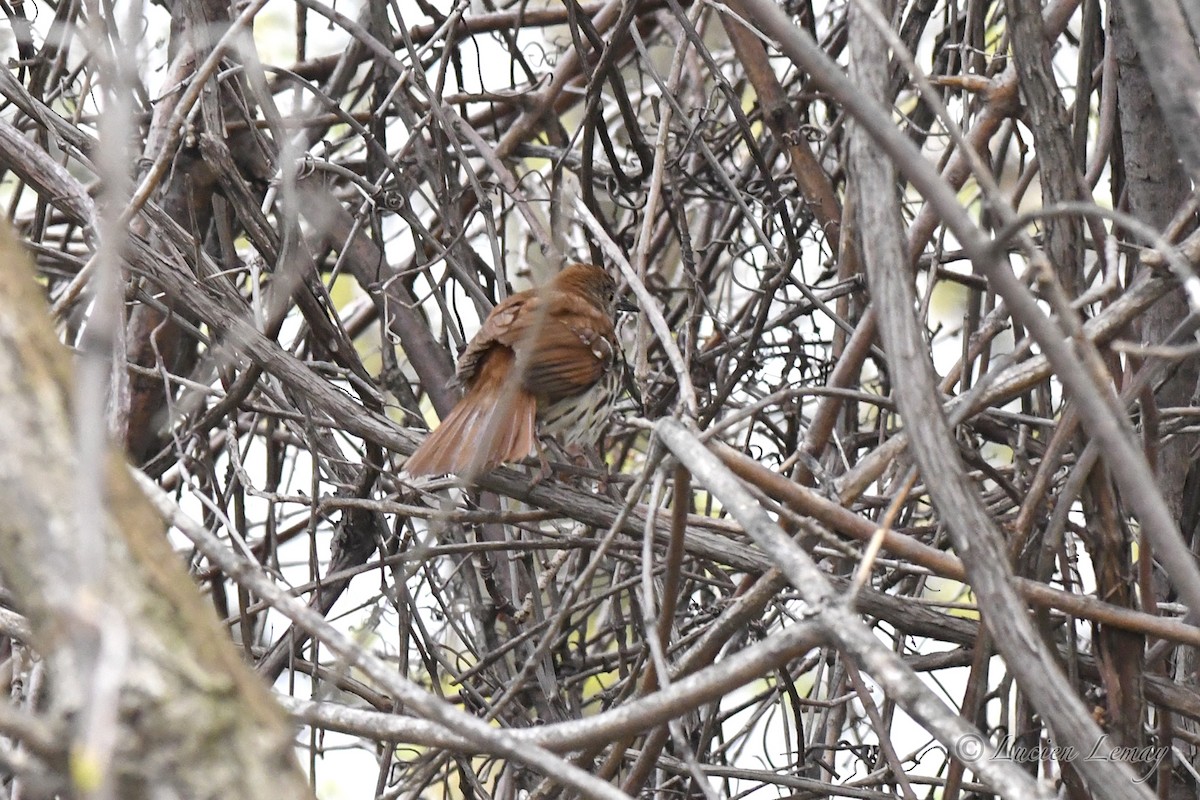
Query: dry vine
[784, 558]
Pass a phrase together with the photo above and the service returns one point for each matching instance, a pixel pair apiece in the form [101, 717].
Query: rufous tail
[494, 422]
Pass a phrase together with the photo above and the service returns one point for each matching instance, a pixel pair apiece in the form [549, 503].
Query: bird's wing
[563, 344]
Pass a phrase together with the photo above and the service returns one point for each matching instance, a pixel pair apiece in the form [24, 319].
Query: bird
[545, 361]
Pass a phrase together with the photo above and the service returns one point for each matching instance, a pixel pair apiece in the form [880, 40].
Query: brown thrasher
[545, 360]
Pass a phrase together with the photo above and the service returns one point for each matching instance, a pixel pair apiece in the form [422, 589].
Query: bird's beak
[624, 304]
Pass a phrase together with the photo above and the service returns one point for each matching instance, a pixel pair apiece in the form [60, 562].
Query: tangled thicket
[306, 241]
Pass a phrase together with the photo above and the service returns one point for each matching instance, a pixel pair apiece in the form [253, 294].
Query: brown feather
[538, 352]
[480, 433]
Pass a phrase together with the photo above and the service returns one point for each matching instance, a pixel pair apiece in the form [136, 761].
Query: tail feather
[493, 423]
